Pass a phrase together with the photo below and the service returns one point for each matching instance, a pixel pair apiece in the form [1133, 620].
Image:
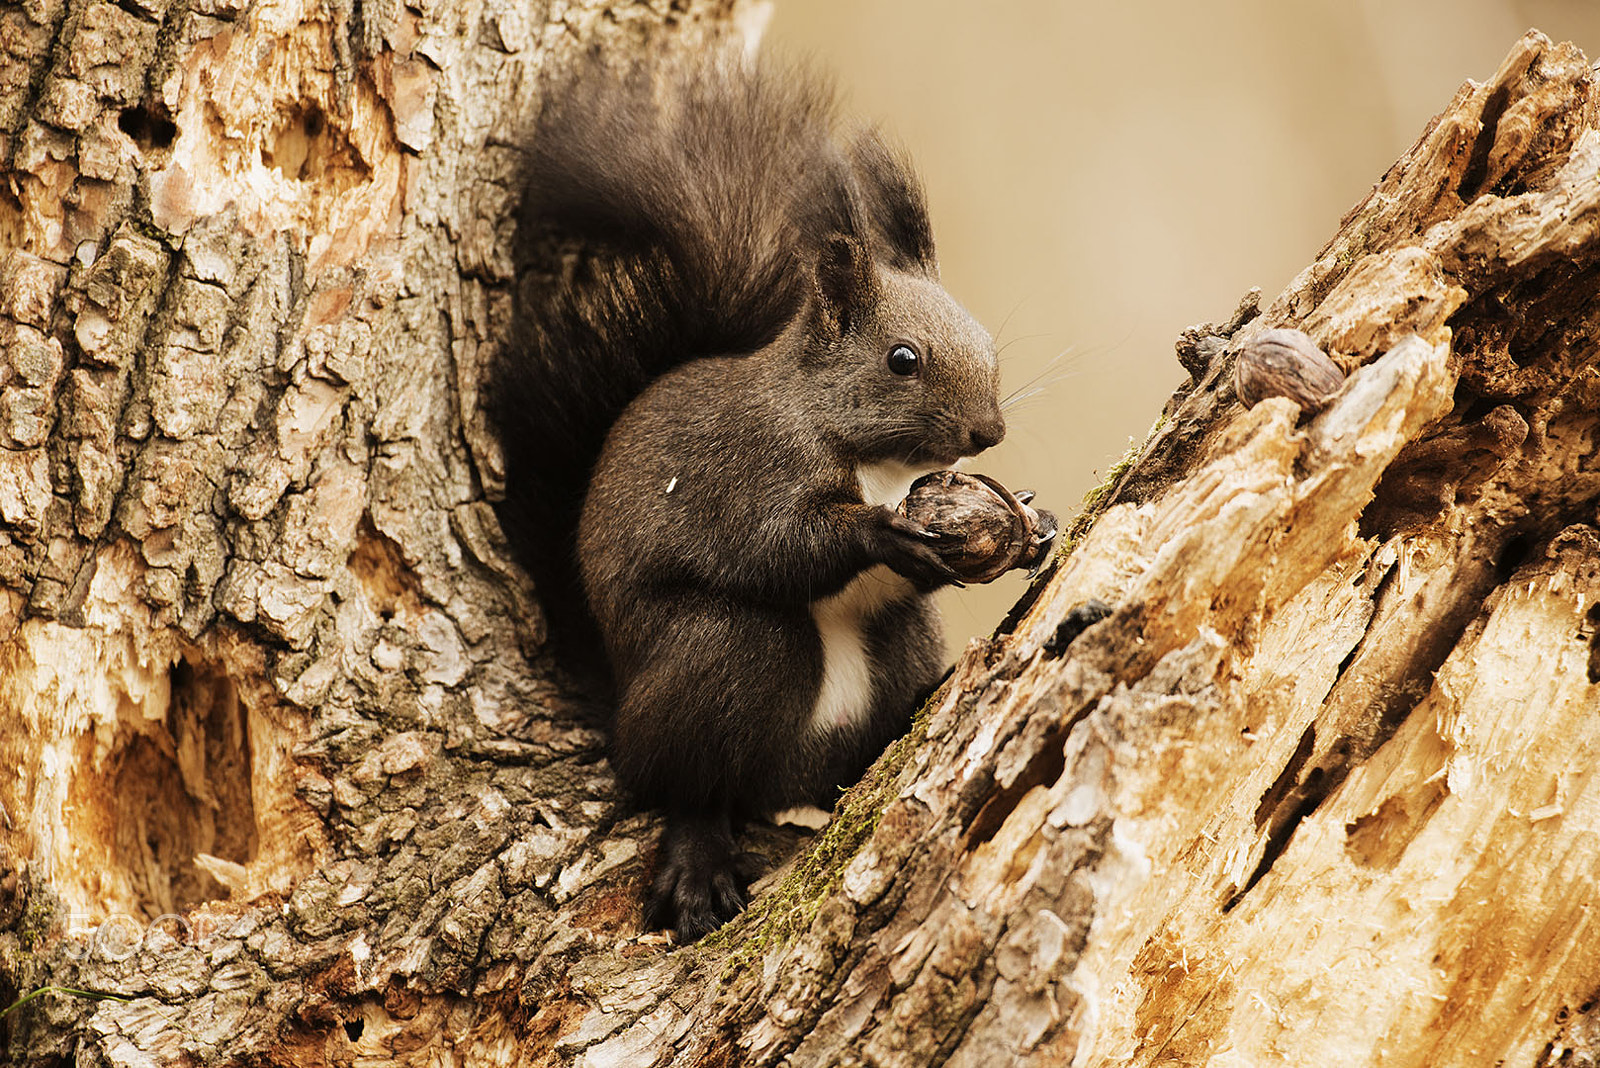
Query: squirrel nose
[986, 433]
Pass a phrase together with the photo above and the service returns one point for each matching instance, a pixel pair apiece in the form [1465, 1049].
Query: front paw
[908, 548]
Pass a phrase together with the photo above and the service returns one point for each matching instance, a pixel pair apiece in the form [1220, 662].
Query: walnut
[1285, 363]
[985, 530]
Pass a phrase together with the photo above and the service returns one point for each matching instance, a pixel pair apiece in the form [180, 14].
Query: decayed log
[296, 785]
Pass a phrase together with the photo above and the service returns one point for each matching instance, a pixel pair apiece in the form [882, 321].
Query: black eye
[903, 360]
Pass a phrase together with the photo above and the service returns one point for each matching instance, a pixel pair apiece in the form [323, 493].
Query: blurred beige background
[1103, 175]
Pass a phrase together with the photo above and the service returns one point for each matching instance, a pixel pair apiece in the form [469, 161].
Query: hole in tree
[1477, 171]
[390, 586]
[1311, 795]
[170, 802]
[1288, 777]
[1516, 552]
[1472, 407]
[305, 146]
[353, 1028]
[149, 128]
[1593, 618]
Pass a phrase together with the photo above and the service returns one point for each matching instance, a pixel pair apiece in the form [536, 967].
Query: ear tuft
[894, 204]
[846, 284]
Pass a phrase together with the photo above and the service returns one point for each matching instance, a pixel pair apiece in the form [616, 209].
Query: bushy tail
[681, 202]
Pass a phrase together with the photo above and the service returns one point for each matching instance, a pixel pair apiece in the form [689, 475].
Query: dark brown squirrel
[733, 356]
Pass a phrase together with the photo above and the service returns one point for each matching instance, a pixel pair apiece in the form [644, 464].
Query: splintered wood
[1351, 737]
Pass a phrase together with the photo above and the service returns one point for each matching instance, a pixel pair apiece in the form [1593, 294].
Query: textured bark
[296, 784]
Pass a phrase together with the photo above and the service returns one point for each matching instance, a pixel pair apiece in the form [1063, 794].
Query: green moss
[790, 907]
[35, 925]
[147, 228]
[1095, 501]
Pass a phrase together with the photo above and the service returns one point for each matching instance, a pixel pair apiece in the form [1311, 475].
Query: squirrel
[732, 357]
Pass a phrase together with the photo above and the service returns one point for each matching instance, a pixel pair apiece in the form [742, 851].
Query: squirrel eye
[903, 360]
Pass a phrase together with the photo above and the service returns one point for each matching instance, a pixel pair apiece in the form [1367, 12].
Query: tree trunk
[296, 783]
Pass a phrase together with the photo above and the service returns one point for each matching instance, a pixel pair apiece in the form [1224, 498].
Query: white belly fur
[888, 483]
[846, 692]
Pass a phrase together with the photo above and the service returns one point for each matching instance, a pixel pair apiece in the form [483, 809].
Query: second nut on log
[985, 530]
[1286, 363]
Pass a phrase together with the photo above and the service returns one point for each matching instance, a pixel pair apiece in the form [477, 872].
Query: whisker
[1037, 387]
[1027, 401]
[1007, 320]
[1001, 349]
[1039, 380]
[1017, 400]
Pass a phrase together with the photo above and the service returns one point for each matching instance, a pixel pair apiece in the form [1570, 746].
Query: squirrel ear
[846, 283]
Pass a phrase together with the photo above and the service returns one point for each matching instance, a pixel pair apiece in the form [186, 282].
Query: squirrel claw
[1044, 543]
[951, 576]
[909, 550]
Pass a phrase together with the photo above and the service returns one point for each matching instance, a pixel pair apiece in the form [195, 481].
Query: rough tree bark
[294, 783]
